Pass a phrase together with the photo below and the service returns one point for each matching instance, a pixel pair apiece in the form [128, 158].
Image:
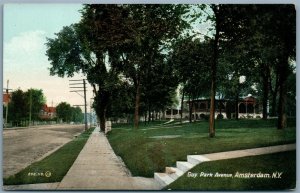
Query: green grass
[144, 155]
[284, 162]
[58, 164]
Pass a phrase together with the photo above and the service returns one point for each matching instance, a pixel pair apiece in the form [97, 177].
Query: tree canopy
[136, 56]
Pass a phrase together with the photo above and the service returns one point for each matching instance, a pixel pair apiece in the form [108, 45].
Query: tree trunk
[149, 113]
[102, 119]
[102, 98]
[220, 107]
[182, 98]
[137, 105]
[274, 103]
[213, 73]
[145, 119]
[237, 106]
[265, 92]
[190, 109]
[274, 95]
[194, 108]
[282, 94]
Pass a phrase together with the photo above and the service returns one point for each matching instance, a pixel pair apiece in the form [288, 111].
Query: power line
[84, 96]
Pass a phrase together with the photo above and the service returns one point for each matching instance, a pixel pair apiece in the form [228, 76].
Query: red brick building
[6, 98]
[47, 112]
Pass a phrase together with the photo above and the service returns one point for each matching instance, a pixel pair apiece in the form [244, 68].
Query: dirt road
[21, 147]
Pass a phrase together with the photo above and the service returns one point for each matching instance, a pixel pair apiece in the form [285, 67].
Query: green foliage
[77, 115]
[113, 40]
[64, 53]
[23, 103]
[148, 48]
[191, 60]
[17, 107]
[63, 111]
[66, 113]
[35, 100]
[58, 163]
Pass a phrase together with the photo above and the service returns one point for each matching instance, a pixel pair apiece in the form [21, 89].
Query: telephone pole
[77, 85]
[30, 105]
[8, 98]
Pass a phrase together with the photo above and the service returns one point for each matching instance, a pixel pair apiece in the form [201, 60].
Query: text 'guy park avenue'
[159, 97]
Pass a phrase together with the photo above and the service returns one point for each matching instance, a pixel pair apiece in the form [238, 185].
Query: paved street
[21, 147]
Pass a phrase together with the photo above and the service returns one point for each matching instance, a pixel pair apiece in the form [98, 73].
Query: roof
[49, 109]
[6, 97]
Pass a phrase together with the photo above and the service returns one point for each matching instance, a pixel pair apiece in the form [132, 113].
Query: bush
[220, 116]
[203, 116]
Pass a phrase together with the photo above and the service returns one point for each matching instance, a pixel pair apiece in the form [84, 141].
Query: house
[47, 113]
[6, 98]
[248, 107]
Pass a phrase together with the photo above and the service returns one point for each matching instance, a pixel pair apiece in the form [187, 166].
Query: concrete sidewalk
[98, 168]
[249, 152]
[173, 173]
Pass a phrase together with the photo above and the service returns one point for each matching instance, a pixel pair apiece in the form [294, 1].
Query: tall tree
[285, 33]
[91, 47]
[77, 115]
[191, 58]
[24, 105]
[111, 39]
[17, 107]
[217, 17]
[35, 100]
[64, 111]
[151, 26]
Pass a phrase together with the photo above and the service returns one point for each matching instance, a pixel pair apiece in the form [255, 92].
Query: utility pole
[6, 113]
[85, 115]
[30, 105]
[91, 112]
[77, 85]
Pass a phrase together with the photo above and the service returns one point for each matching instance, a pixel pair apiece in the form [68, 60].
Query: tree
[25, 106]
[64, 111]
[89, 47]
[17, 107]
[77, 115]
[285, 33]
[159, 86]
[114, 39]
[35, 100]
[122, 104]
[191, 59]
[152, 27]
[217, 18]
[271, 47]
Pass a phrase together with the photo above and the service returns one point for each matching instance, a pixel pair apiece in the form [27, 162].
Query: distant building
[6, 98]
[248, 107]
[47, 112]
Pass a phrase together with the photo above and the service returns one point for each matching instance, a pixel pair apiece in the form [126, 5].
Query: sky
[25, 65]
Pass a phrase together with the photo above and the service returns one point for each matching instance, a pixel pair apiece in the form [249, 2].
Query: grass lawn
[144, 155]
[53, 167]
[284, 162]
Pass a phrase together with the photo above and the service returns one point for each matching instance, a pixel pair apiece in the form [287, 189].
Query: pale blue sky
[25, 28]
[30, 17]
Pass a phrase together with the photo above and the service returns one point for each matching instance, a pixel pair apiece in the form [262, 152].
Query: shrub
[220, 116]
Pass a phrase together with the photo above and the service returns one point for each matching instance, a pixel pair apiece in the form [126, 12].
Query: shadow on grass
[144, 155]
